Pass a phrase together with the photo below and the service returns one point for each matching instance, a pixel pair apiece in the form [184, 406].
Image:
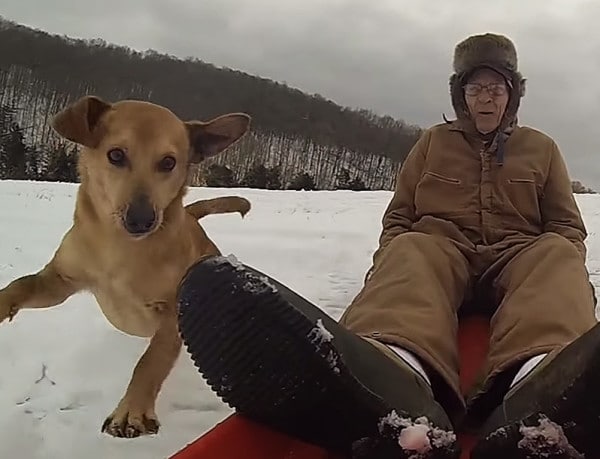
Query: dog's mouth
[140, 218]
[141, 231]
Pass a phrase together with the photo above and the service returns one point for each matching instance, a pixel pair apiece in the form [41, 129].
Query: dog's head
[136, 155]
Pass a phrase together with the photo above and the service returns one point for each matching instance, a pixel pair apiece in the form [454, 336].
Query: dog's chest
[135, 297]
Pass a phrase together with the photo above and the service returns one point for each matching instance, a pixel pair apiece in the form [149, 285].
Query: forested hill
[296, 137]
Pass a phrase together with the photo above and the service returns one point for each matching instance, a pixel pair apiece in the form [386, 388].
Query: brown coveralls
[459, 221]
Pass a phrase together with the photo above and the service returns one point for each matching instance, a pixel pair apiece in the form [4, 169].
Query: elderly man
[483, 215]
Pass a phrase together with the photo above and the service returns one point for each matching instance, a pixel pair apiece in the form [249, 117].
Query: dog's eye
[116, 156]
[167, 164]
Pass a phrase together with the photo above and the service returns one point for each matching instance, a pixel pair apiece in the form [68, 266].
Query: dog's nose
[140, 216]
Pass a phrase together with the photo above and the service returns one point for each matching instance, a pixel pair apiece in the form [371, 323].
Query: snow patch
[319, 334]
[417, 437]
[253, 284]
[290, 234]
[546, 439]
[233, 261]
[332, 360]
[258, 285]
[269, 284]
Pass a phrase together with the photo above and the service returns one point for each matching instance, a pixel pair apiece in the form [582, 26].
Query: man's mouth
[486, 113]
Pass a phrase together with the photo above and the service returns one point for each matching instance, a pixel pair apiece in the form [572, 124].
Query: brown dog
[132, 239]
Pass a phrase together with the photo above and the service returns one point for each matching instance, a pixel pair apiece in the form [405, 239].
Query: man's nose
[484, 96]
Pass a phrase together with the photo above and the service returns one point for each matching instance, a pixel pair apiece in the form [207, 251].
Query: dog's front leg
[44, 289]
[135, 414]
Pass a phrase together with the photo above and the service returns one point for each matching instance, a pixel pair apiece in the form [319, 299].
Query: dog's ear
[209, 138]
[79, 121]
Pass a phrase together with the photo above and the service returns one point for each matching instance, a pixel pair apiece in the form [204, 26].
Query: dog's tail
[220, 205]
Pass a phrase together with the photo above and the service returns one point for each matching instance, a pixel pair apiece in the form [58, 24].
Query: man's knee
[555, 246]
[404, 247]
[410, 238]
[415, 244]
[414, 251]
[565, 258]
[549, 257]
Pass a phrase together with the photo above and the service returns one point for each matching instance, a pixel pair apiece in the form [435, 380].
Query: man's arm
[400, 212]
[560, 213]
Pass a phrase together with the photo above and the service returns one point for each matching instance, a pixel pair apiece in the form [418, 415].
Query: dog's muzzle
[140, 217]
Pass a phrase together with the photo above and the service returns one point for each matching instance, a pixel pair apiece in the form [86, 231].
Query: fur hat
[487, 50]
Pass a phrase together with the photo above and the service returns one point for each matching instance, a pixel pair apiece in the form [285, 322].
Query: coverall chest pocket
[524, 194]
[440, 195]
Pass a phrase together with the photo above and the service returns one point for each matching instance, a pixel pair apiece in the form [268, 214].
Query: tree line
[297, 141]
[293, 133]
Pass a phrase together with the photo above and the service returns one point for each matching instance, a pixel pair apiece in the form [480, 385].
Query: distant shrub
[580, 188]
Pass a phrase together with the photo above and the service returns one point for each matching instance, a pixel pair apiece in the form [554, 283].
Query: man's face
[486, 95]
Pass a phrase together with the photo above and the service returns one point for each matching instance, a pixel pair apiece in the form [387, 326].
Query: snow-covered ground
[62, 370]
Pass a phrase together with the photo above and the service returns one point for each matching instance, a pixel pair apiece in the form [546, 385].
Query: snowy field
[62, 370]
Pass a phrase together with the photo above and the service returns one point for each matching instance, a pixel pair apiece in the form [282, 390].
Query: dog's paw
[7, 309]
[130, 421]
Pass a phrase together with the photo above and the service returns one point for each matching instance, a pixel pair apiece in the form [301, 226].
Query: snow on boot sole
[277, 359]
[562, 409]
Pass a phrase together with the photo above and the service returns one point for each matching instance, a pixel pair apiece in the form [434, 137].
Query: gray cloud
[392, 56]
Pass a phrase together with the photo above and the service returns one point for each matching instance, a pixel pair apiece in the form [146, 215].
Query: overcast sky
[392, 56]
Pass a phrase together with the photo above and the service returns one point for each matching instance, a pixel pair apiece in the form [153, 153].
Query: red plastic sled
[237, 437]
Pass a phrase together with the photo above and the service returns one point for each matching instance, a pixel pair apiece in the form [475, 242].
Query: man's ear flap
[209, 138]
[79, 121]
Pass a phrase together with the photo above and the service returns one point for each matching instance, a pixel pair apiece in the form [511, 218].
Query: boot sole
[568, 428]
[274, 364]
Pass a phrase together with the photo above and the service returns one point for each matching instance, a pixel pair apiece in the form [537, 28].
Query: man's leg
[410, 303]
[544, 351]
[278, 359]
